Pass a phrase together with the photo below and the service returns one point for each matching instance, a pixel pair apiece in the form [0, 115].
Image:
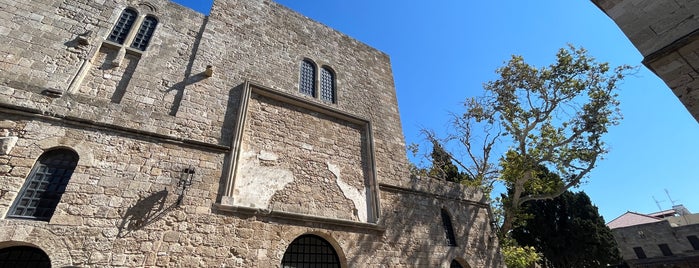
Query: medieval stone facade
[141, 133]
[667, 35]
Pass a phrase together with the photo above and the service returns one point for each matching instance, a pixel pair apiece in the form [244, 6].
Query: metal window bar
[45, 185]
[448, 229]
[307, 83]
[310, 251]
[122, 26]
[327, 85]
[145, 32]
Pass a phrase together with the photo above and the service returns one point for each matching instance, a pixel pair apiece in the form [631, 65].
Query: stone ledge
[297, 217]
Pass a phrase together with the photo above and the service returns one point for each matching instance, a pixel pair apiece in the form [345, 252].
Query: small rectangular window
[665, 249]
[694, 241]
[639, 252]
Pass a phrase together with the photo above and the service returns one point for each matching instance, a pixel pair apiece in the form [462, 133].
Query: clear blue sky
[443, 51]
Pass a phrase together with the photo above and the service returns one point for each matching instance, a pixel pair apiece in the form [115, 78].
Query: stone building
[667, 35]
[665, 239]
[142, 133]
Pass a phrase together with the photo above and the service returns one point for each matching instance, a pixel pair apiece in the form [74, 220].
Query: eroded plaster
[358, 196]
[256, 183]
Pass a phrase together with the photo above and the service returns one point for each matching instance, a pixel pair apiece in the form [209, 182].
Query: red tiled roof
[630, 219]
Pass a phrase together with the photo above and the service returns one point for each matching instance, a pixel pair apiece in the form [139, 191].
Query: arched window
[327, 85]
[455, 264]
[448, 229]
[307, 83]
[310, 251]
[123, 26]
[23, 256]
[145, 32]
[45, 185]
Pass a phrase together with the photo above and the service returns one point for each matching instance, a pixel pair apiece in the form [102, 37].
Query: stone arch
[24, 256]
[80, 147]
[324, 240]
[37, 237]
[459, 263]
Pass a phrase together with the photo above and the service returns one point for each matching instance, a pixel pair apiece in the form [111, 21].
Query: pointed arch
[448, 229]
[43, 188]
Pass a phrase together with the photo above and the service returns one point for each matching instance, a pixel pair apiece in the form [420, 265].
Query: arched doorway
[310, 251]
[24, 256]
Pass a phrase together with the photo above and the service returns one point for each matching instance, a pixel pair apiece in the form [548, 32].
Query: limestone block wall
[652, 25]
[666, 33]
[270, 163]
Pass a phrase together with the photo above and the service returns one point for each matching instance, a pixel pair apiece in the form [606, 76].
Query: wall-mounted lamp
[184, 183]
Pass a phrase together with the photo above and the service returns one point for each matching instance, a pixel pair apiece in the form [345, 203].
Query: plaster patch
[256, 184]
[6, 144]
[267, 156]
[358, 196]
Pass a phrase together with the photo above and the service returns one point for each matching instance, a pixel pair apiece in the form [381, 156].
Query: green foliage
[442, 165]
[517, 256]
[551, 117]
[568, 231]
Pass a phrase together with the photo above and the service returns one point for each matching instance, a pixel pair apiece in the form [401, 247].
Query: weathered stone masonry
[218, 94]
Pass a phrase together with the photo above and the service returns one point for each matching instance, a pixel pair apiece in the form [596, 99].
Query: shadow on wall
[227, 129]
[414, 229]
[146, 211]
[189, 78]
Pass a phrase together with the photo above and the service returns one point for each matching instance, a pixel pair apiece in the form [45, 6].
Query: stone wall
[667, 35]
[218, 95]
[649, 236]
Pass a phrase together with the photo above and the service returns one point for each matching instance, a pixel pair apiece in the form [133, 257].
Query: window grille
[123, 26]
[327, 85]
[310, 251]
[307, 83]
[145, 32]
[448, 229]
[23, 256]
[45, 185]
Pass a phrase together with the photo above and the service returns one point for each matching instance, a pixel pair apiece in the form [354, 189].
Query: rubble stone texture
[271, 164]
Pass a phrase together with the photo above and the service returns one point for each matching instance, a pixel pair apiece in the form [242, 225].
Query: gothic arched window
[455, 264]
[45, 185]
[327, 85]
[145, 32]
[307, 83]
[123, 26]
[310, 251]
[448, 229]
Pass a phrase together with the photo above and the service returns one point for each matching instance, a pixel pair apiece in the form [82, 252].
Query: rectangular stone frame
[227, 203]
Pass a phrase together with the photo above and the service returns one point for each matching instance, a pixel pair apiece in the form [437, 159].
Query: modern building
[142, 133]
[668, 238]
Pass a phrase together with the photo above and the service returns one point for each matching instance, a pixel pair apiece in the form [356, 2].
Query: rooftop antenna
[657, 203]
[668, 196]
